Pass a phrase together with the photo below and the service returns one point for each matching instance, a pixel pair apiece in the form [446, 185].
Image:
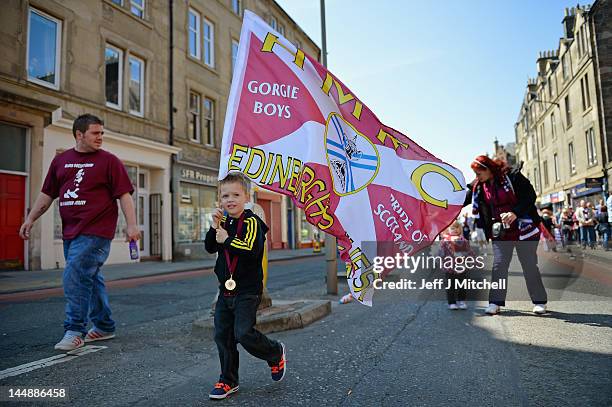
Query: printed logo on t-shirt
[72, 194]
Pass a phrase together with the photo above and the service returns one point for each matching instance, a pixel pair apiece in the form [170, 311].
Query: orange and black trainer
[222, 390]
[278, 371]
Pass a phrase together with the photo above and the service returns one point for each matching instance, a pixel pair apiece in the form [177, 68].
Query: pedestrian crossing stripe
[50, 361]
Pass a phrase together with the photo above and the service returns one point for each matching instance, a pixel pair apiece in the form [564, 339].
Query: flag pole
[330, 241]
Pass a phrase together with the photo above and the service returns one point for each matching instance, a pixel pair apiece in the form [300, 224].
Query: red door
[12, 201]
[276, 233]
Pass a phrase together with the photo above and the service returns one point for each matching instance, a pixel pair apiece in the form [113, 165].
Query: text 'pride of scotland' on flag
[294, 128]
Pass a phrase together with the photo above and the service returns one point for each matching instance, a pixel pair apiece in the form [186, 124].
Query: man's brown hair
[83, 122]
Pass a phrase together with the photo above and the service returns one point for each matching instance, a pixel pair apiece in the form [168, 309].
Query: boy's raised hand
[221, 235]
[217, 216]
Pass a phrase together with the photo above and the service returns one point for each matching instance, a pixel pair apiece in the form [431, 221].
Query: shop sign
[583, 190]
[593, 182]
[194, 175]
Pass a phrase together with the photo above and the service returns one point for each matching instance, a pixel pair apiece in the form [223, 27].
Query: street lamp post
[331, 260]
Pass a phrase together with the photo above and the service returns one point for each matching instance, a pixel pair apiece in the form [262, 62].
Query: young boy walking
[239, 238]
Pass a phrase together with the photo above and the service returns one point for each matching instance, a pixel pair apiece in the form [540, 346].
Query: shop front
[196, 200]
[556, 201]
[591, 191]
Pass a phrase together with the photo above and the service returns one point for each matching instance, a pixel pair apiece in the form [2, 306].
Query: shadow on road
[598, 320]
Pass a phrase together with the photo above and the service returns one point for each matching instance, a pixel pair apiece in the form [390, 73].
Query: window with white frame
[572, 158]
[281, 29]
[136, 86]
[137, 8]
[234, 53]
[113, 64]
[194, 116]
[542, 135]
[586, 96]
[591, 147]
[536, 179]
[273, 22]
[209, 121]
[556, 165]
[545, 173]
[44, 49]
[209, 43]
[553, 126]
[237, 7]
[194, 34]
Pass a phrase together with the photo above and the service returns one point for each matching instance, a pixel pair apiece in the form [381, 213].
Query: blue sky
[449, 74]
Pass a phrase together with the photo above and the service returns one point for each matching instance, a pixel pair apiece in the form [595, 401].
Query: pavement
[400, 352]
[21, 281]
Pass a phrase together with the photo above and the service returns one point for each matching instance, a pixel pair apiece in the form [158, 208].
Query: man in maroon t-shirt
[88, 181]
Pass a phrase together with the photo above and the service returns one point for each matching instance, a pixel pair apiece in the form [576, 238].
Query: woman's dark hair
[83, 122]
[498, 167]
[603, 208]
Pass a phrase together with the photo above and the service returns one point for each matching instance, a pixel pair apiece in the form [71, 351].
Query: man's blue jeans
[84, 288]
[587, 236]
[605, 236]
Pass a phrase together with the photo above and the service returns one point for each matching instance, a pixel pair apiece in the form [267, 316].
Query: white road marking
[53, 360]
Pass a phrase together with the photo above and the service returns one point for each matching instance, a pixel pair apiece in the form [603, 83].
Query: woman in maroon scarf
[503, 204]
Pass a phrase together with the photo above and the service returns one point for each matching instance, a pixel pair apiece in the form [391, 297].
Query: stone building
[158, 73]
[506, 153]
[561, 131]
[206, 35]
[64, 58]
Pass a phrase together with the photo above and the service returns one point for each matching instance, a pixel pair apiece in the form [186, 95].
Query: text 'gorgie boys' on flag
[294, 128]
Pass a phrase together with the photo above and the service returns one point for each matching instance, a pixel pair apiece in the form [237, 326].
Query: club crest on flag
[352, 158]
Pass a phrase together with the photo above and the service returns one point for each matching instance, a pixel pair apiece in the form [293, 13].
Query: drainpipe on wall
[600, 107]
[171, 116]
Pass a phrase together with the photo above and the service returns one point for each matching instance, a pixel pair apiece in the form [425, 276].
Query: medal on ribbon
[230, 284]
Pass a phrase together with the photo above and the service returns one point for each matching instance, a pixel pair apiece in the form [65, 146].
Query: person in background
[579, 214]
[603, 226]
[455, 245]
[503, 203]
[88, 182]
[567, 223]
[466, 227]
[598, 206]
[556, 217]
[586, 221]
[548, 221]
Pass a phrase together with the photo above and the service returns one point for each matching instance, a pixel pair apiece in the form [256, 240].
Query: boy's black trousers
[235, 323]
